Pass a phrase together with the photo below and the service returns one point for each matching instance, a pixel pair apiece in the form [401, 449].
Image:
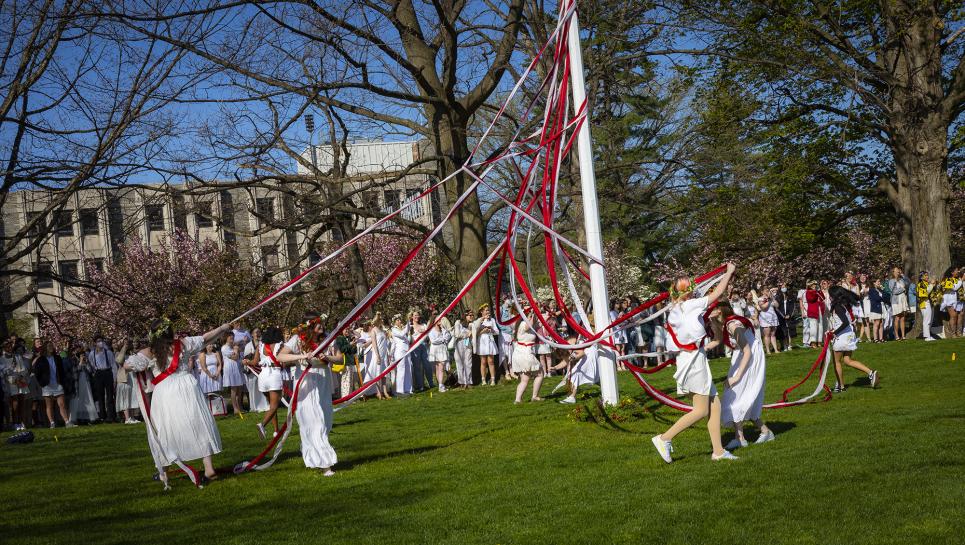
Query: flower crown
[677, 294]
[161, 330]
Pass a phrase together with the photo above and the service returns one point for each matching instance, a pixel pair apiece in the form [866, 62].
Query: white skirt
[950, 300]
[693, 374]
[124, 398]
[82, 403]
[185, 427]
[745, 400]
[584, 372]
[231, 374]
[438, 353]
[314, 414]
[845, 342]
[769, 319]
[900, 307]
[487, 345]
[524, 361]
[858, 311]
[270, 380]
[403, 373]
[544, 349]
[209, 385]
[874, 315]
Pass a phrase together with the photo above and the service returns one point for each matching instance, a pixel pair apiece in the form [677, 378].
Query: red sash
[175, 360]
[270, 352]
[693, 347]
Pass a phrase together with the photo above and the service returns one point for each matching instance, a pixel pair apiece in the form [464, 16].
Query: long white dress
[180, 415]
[209, 385]
[256, 400]
[376, 358]
[524, 358]
[745, 400]
[314, 413]
[124, 396]
[82, 405]
[463, 353]
[403, 371]
[231, 374]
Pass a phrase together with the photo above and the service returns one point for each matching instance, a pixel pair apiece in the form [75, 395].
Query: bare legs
[865, 330]
[899, 327]
[440, 375]
[704, 407]
[524, 381]
[877, 330]
[845, 357]
[739, 428]
[954, 323]
[486, 362]
[17, 406]
[236, 399]
[61, 406]
[274, 398]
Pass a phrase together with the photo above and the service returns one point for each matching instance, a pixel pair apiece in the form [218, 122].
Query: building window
[68, 270]
[36, 228]
[94, 265]
[313, 258]
[44, 270]
[202, 215]
[337, 234]
[413, 212]
[89, 224]
[265, 208]
[155, 217]
[64, 223]
[391, 201]
[269, 258]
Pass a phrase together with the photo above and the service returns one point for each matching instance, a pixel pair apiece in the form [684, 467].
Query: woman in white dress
[210, 365]
[769, 324]
[81, 406]
[619, 334]
[484, 333]
[15, 372]
[685, 324]
[439, 337]
[401, 335]
[862, 312]
[231, 375]
[125, 400]
[314, 408]
[257, 402]
[377, 356]
[525, 362]
[180, 425]
[544, 351]
[463, 350]
[743, 397]
[580, 370]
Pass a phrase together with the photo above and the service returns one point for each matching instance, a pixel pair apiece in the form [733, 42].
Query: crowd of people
[234, 370]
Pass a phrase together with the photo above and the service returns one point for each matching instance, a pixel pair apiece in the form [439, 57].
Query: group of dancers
[742, 401]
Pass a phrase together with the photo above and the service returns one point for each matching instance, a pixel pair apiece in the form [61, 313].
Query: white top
[686, 319]
[439, 336]
[189, 347]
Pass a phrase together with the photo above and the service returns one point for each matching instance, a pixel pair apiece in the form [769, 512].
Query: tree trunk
[468, 229]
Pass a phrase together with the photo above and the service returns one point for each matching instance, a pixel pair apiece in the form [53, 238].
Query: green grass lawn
[870, 466]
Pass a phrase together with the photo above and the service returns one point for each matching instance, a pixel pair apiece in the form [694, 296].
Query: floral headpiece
[677, 294]
[161, 330]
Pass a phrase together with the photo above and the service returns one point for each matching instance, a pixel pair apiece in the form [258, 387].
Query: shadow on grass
[344, 465]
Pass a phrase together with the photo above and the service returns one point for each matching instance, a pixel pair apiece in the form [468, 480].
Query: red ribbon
[175, 361]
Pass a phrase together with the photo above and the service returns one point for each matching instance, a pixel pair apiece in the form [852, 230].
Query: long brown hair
[160, 338]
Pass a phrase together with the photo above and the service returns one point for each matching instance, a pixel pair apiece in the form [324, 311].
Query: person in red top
[815, 310]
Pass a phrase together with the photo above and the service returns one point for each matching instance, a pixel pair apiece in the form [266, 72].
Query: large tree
[890, 74]
[403, 67]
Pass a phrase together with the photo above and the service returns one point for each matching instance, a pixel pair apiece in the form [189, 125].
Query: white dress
[15, 371]
[524, 360]
[271, 378]
[403, 371]
[950, 298]
[314, 414]
[209, 385]
[179, 412]
[846, 341]
[584, 370]
[82, 405]
[376, 358]
[693, 370]
[231, 374]
[619, 334]
[486, 342]
[768, 318]
[124, 396]
[256, 400]
[745, 400]
[439, 345]
[463, 353]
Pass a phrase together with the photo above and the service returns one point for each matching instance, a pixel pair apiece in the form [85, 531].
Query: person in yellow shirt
[923, 291]
[950, 284]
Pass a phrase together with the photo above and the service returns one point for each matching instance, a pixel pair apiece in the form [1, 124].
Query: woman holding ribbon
[743, 397]
[401, 335]
[685, 325]
[525, 362]
[180, 425]
[271, 378]
[842, 320]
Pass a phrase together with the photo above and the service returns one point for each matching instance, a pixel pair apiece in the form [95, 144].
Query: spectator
[463, 350]
[924, 291]
[15, 373]
[82, 408]
[898, 285]
[876, 299]
[48, 367]
[814, 313]
[105, 372]
[785, 313]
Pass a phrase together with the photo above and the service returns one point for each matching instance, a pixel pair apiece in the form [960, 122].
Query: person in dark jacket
[876, 299]
[49, 370]
[785, 306]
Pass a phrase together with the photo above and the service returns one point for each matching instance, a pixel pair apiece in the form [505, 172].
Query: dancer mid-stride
[685, 325]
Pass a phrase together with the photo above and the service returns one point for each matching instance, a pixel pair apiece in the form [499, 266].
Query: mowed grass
[882, 466]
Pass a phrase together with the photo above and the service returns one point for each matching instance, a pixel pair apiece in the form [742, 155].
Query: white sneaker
[442, 388]
[873, 377]
[261, 431]
[569, 400]
[53, 425]
[725, 456]
[930, 338]
[70, 425]
[765, 437]
[664, 448]
[736, 443]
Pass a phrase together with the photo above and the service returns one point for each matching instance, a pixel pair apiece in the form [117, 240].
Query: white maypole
[606, 359]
